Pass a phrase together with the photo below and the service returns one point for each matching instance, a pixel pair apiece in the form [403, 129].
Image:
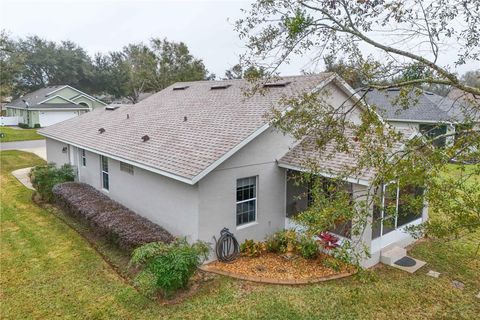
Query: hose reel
[226, 248]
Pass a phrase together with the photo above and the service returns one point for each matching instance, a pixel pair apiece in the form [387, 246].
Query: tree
[174, 63]
[240, 72]
[414, 35]
[45, 63]
[9, 66]
[472, 78]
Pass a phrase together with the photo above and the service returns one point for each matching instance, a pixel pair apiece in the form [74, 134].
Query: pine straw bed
[272, 268]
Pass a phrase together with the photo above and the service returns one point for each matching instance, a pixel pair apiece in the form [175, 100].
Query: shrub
[44, 177]
[168, 267]
[250, 248]
[37, 125]
[23, 125]
[307, 247]
[106, 217]
[278, 241]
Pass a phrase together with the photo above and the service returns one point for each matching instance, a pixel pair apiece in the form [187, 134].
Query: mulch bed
[272, 268]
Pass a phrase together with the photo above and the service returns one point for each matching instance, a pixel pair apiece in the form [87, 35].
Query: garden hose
[226, 248]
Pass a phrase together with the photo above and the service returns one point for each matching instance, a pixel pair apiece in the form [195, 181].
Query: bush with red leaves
[328, 240]
[106, 217]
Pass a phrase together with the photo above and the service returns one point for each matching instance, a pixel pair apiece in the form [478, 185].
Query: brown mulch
[273, 266]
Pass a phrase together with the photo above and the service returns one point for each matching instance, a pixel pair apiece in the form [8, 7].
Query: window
[84, 158]
[125, 167]
[104, 167]
[246, 200]
[433, 132]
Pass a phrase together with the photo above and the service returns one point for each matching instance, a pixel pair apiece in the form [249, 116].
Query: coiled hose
[226, 248]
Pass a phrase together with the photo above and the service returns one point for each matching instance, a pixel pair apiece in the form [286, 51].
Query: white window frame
[253, 222]
[104, 172]
[384, 188]
[83, 157]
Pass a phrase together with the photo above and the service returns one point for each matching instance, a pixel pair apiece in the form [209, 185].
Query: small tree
[45, 177]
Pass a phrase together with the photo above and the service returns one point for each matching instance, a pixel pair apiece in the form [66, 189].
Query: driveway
[37, 147]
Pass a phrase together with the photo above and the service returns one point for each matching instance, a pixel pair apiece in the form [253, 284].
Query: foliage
[45, 177]
[277, 31]
[328, 240]
[169, 266]
[106, 217]
[36, 125]
[278, 241]
[23, 125]
[307, 247]
[251, 248]
[240, 72]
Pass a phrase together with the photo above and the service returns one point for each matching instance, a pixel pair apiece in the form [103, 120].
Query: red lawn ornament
[329, 241]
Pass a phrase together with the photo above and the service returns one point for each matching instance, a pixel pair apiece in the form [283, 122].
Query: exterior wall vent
[180, 88]
[220, 86]
[276, 84]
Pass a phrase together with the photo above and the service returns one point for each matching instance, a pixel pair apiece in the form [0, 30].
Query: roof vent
[145, 138]
[101, 130]
[111, 108]
[393, 89]
[220, 86]
[180, 88]
[185, 119]
[429, 93]
[276, 84]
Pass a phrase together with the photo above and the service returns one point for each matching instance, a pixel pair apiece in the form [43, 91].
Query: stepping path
[22, 176]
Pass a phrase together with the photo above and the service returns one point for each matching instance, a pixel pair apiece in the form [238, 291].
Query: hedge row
[106, 217]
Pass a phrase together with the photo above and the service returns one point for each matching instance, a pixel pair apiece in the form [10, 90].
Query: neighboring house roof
[423, 107]
[191, 131]
[56, 106]
[330, 162]
[43, 95]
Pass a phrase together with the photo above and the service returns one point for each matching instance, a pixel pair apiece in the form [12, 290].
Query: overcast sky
[107, 25]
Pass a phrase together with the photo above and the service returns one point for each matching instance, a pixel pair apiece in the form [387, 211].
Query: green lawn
[19, 134]
[49, 271]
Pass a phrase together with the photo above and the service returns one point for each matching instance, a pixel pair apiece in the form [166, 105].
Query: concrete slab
[22, 176]
[434, 274]
[412, 269]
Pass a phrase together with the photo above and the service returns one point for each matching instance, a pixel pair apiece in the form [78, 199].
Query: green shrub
[46, 176]
[168, 267]
[23, 125]
[307, 247]
[278, 241]
[250, 248]
[37, 125]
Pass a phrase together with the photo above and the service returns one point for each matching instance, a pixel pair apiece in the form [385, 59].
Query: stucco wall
[218, 189]
[167, 202]
[54, 152]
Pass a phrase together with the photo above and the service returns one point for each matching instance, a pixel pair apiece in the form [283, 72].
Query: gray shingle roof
[217, 121]
[305, 155]
[424, 107]
[35, 97]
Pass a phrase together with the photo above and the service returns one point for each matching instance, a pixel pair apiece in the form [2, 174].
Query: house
[50, 105]
[426, 112]
[200, 156]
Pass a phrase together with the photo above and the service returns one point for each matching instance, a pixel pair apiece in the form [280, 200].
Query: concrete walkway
[22, 176]
[37, 147]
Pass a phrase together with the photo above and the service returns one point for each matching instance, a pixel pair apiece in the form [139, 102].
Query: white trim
[48, 109]
[246, 225]
[81, 92]
[423, 121]
[57, 96]
[362, 182]
[137, 164]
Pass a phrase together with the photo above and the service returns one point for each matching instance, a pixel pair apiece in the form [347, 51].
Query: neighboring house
[200, 156]
[50, 105]
[426, 112]
[112, 100]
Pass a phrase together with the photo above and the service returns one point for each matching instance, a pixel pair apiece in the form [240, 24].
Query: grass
[49, 271]
[19, 134]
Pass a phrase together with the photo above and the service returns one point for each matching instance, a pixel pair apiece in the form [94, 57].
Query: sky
[106, 25]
